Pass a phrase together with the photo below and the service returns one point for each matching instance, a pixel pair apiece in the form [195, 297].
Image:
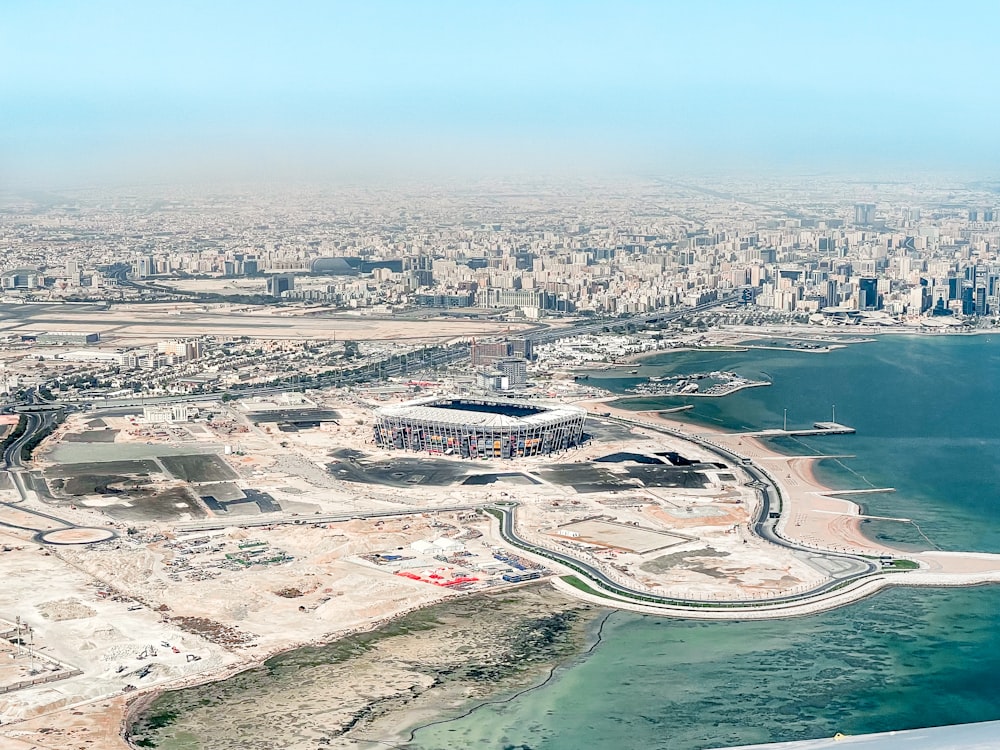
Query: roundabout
[76, 535]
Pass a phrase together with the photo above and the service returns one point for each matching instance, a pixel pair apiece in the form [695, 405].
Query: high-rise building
[505, 375]
[144, 266]
[968, 299]
[954, 287]
[832, 294]
[280, 283]
[864, 214]
[515, 370]
[189, 350]
[489, 352]
[981, 280]
[868, 297]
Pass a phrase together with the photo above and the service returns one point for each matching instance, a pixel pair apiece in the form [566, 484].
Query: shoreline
[415, 673]
[843, 524]
[728, 391]
[738, 338]
[829, 522]
[408, 732]
[805, 492]
[808, 488]
[818, 516]
[144, 700]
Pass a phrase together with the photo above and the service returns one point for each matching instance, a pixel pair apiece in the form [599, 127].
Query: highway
[37, 418]
[39, 415]
[399, 365]
[854, 567]
[42, 415]
[662, 316]
[592, 574]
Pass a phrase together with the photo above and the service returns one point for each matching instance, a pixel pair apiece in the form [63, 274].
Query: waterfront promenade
[796, 512]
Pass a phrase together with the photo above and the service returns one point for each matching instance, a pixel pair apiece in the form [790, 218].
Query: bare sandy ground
[339, 595]
[367, 688]
[90, 726]
[138, 324]
[818, 520]
[815, 518]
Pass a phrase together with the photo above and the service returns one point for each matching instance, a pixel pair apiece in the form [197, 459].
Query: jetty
[865, 491]
[818, 428]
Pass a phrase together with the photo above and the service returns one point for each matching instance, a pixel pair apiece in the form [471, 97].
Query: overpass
[39, 416]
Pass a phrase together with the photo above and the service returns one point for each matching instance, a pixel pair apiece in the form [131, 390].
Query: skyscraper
[868, 298]
[279, 283]
[864, 214]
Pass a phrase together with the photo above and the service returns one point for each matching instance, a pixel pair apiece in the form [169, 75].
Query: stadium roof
[425, 410]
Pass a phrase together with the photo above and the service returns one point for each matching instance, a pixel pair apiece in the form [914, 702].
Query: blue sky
[102, 88]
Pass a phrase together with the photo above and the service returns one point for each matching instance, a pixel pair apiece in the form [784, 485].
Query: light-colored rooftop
[425, 410]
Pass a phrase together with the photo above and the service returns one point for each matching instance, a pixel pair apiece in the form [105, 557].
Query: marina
[719, 383]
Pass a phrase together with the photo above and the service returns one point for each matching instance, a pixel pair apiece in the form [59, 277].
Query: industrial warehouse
[479, 428]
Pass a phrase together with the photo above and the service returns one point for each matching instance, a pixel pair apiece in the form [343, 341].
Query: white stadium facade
[473, 427]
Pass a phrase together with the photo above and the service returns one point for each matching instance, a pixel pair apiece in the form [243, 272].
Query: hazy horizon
[120, 92]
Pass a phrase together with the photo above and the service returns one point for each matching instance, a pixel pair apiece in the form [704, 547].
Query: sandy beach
[818, 519]
[815, 515]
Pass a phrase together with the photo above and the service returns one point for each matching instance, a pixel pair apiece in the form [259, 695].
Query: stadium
[479, 427]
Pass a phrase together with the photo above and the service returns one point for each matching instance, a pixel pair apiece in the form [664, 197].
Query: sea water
[928, 425]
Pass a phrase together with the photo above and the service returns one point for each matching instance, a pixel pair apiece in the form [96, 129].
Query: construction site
[158, 548]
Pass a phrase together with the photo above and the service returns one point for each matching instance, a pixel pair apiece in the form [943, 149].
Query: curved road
[39, 416]
[597, 576]
[855, 567]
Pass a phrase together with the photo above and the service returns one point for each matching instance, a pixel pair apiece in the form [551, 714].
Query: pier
[818, 428]
[866, 491]
[668, 410]
[863, 516]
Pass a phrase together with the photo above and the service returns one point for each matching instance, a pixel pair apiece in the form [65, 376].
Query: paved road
[399, 365]
[662, 316]
[597, 576]
[852, 567]
[764, 525]
[36, 421]
[39, 415]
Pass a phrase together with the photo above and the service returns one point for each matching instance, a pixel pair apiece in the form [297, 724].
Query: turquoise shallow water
[928, 422]
[926, 412]
[901, 660]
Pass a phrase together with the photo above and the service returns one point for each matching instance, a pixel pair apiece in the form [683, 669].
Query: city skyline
[478, 374]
